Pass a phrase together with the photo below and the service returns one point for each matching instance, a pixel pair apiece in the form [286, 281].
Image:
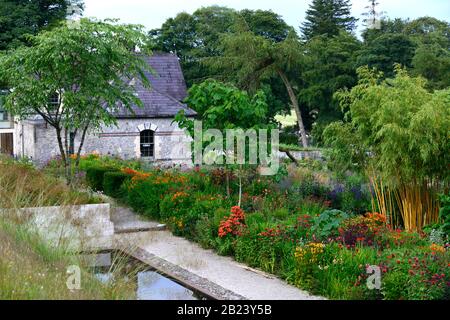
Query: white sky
[152, 13]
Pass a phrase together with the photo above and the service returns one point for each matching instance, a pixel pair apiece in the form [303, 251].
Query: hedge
[112, 183]
[95, 175]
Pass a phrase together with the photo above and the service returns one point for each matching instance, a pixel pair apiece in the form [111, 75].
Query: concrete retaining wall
[82, 227]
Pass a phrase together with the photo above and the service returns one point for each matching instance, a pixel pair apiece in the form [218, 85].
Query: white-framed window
[54, 100]
[147, 144]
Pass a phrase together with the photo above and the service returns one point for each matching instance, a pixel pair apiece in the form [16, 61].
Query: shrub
[204, 233]
[363, 230]
[144, 196]
[255, 219]
[145, 191]
[260, 186]
[234, 224]
[95, 175]
[418, 273]
[350, 196]
[279, 214]
[256, 253]
[202, 182]
[183, 210]
[175, 211]
[444, 213]
[112, 183]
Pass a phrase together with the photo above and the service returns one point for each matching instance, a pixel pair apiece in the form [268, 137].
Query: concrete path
[224, 272]
[126, 221]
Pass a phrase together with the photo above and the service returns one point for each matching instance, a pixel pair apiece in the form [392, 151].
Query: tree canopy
[330, 65]
[221, 106]
[251, 59]
[328, 17]
[75, 79]
[196, 36]
[19, 18]
[394, 126]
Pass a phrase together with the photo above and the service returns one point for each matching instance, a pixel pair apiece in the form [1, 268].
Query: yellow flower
[310, 252]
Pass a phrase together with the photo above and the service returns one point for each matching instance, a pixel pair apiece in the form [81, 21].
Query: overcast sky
[152, 13]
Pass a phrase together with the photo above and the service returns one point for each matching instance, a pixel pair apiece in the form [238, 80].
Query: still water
[154, 286]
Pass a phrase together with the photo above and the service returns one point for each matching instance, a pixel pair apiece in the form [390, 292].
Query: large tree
[193, 37]
[432, 57]
[330, 65]
[196, 36]
[386, 50]
[249, 60]
[422, 45]
[328, 17]
[19, 18]
[76, 78]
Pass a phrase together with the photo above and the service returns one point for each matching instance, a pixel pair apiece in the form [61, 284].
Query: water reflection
[153, 286]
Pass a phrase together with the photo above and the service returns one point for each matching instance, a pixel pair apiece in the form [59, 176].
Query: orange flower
[435, 248]
[129, 171]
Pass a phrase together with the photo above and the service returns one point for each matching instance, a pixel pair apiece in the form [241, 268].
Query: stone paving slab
[126, 221]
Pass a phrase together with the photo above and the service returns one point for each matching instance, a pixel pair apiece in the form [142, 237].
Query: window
[147, 144]
[3, 113]
[54, 100]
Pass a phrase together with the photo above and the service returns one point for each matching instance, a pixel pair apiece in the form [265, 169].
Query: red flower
[233, 224]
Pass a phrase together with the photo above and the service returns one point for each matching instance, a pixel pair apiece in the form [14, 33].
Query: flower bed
[297, 237]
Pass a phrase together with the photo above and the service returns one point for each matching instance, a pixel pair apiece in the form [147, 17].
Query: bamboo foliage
[397, 132]
[418, 205]
[384, 202]
[414, 205]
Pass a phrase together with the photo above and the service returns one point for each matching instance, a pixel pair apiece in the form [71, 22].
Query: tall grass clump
[22, 185]
[30, 266]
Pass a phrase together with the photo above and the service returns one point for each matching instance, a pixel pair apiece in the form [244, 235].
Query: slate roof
[168, 89]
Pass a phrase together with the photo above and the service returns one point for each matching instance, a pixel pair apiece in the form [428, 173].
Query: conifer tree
[328, 17]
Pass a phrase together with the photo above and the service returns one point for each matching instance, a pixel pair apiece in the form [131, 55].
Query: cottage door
[6, 143]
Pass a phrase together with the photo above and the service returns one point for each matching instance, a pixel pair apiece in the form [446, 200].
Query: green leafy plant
[444, 213]
[327, 223]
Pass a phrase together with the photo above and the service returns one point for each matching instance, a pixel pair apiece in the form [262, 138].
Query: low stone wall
[83, 227]
[299, 155]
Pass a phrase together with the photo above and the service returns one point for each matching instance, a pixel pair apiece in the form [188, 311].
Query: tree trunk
[294, 102]
[61, 146]
[240, 190]
[290, 156]
[80, 147]
[61, 149]
[227, 175]
[68, 167]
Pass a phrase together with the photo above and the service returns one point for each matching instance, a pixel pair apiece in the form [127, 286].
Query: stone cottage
[147, 133]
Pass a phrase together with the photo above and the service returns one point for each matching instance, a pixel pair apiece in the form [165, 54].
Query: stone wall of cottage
[172, 145]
